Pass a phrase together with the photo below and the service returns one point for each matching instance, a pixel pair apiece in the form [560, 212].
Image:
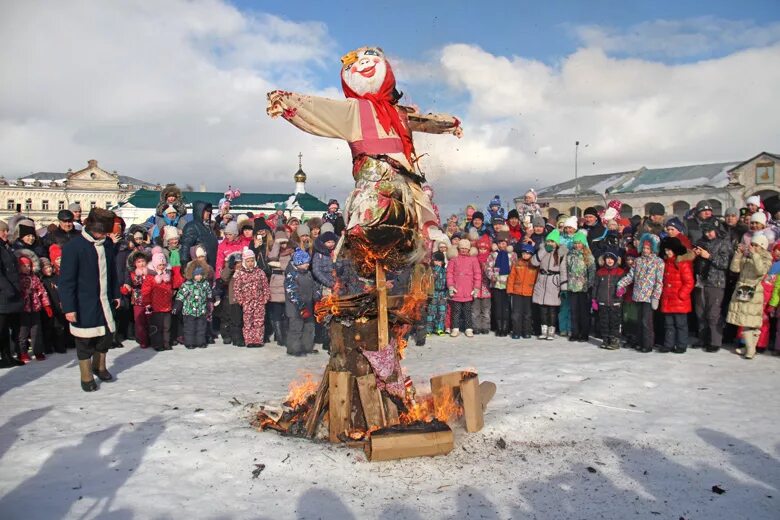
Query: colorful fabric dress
[438, 306]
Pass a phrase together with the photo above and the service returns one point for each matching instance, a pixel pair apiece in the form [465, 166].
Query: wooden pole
[381, 289]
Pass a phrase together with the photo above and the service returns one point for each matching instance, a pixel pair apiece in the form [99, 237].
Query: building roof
[743, 163]
[246, 201]
[646, 180]
[57, 176]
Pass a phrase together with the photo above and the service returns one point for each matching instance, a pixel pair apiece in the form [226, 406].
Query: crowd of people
[185, 278]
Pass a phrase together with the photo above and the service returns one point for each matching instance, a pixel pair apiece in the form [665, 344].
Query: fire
[424, 409]
[300, 391]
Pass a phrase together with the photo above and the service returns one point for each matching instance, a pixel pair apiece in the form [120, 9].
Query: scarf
[502, 262]
[385, 108]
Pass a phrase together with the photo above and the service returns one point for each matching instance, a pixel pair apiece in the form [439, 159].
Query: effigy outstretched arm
[315, 115]
[433, 123]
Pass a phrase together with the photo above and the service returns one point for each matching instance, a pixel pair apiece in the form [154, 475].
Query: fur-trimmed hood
[29, 254]
[133, 256]
[174, 191]
[208, 272]
[655, 242]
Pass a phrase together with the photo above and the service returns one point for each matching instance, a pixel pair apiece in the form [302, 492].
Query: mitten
[621, 291]
[49, 311]
[654, 304]
[125, 290]
[148, 309]
[474, 293]
[306, 313]
[453, 291]
[594, 304]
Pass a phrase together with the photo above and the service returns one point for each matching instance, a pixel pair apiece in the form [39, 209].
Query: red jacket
[159, 295]
[678, 284]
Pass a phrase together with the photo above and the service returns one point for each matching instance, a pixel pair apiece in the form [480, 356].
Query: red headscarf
[386, 111]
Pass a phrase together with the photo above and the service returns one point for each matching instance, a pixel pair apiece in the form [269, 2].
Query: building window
[28, 205]
[765, 173]
[92, 204]
[108, 204]
[60, 205]
[10, 205]
[680, 208]
[45, 205]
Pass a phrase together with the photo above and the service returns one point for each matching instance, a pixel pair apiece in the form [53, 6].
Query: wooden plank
[313, 417]
[381, 289]
[393, 446]
[473, 411]
[339, 403]
[440, 383]
[391, 414]
[371, 399]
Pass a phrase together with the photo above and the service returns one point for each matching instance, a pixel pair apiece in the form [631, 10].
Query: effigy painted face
[364, 70]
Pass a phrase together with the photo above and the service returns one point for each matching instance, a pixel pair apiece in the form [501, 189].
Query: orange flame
[300, 391]
[424, 409]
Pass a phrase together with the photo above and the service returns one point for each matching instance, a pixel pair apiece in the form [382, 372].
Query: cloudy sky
[174, 90]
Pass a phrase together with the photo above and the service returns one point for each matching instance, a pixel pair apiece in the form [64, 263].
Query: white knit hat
[758, 216]
[200, 252]
[464, 243]
[570, 222]
[760, 239]
[231, 228]
[170, 233]
[755, 200]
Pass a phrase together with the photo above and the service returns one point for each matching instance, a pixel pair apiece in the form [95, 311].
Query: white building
[678, 188]
[41, 195]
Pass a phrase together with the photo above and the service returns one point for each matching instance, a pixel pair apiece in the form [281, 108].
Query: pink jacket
[224, 250]
[465, 275]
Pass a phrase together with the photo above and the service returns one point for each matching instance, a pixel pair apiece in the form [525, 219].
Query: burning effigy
[364, 395]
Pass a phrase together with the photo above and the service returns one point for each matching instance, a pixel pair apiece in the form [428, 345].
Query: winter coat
[522, 278]
[439, 278]
[483, 291]
[171, 190]
[250, 286]
[228, 287]
[711, 272]
[647, 275]
[279, 262]
[498, 281]
[322, 267]
[224, 250]
[197, 232]
[300, 291]
[195, 297]
[464, 275]
[552, 278]
[159, 293]
[694, 228]
[606, 283]
[678, 284]
[768, 232]
[82, 288]
[774, 300]
[33, 293]
[594, 232]
[51, 283]
[579, 273]
[751, 270]
[59, 236]
[261, 255]
[10, 292]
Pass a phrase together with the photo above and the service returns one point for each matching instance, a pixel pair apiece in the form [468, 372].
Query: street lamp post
[576, 181]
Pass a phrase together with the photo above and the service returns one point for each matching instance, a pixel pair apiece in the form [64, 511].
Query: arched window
[626, 211]
[717, 206]
[679, 208]
[552, 214]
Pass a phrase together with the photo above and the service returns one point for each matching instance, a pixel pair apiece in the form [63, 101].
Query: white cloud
[687, 37]
[169, 91]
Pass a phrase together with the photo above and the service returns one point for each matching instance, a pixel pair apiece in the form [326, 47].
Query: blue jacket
[83, 291]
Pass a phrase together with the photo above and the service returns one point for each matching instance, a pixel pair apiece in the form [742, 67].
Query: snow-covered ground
[589, 434]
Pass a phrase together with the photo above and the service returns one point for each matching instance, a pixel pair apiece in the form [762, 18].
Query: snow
[169, 439]
[599, 187]
[716, 182]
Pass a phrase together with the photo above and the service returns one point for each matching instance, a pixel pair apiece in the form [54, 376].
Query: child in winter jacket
[647, 275]
[194, 295]
[301, 293]
[231, 313]
[499, 265]
[56, 333]
[232, 243]
[35, 300]
[552, 279]
[252, 293]
[605, 299]
[480, 308]
[630, 319]
[580, 270]
[464, 277]
[437, 306]
[520, 287]
[278, 260]
[137, 272]
[676, 294]
[157, 293]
